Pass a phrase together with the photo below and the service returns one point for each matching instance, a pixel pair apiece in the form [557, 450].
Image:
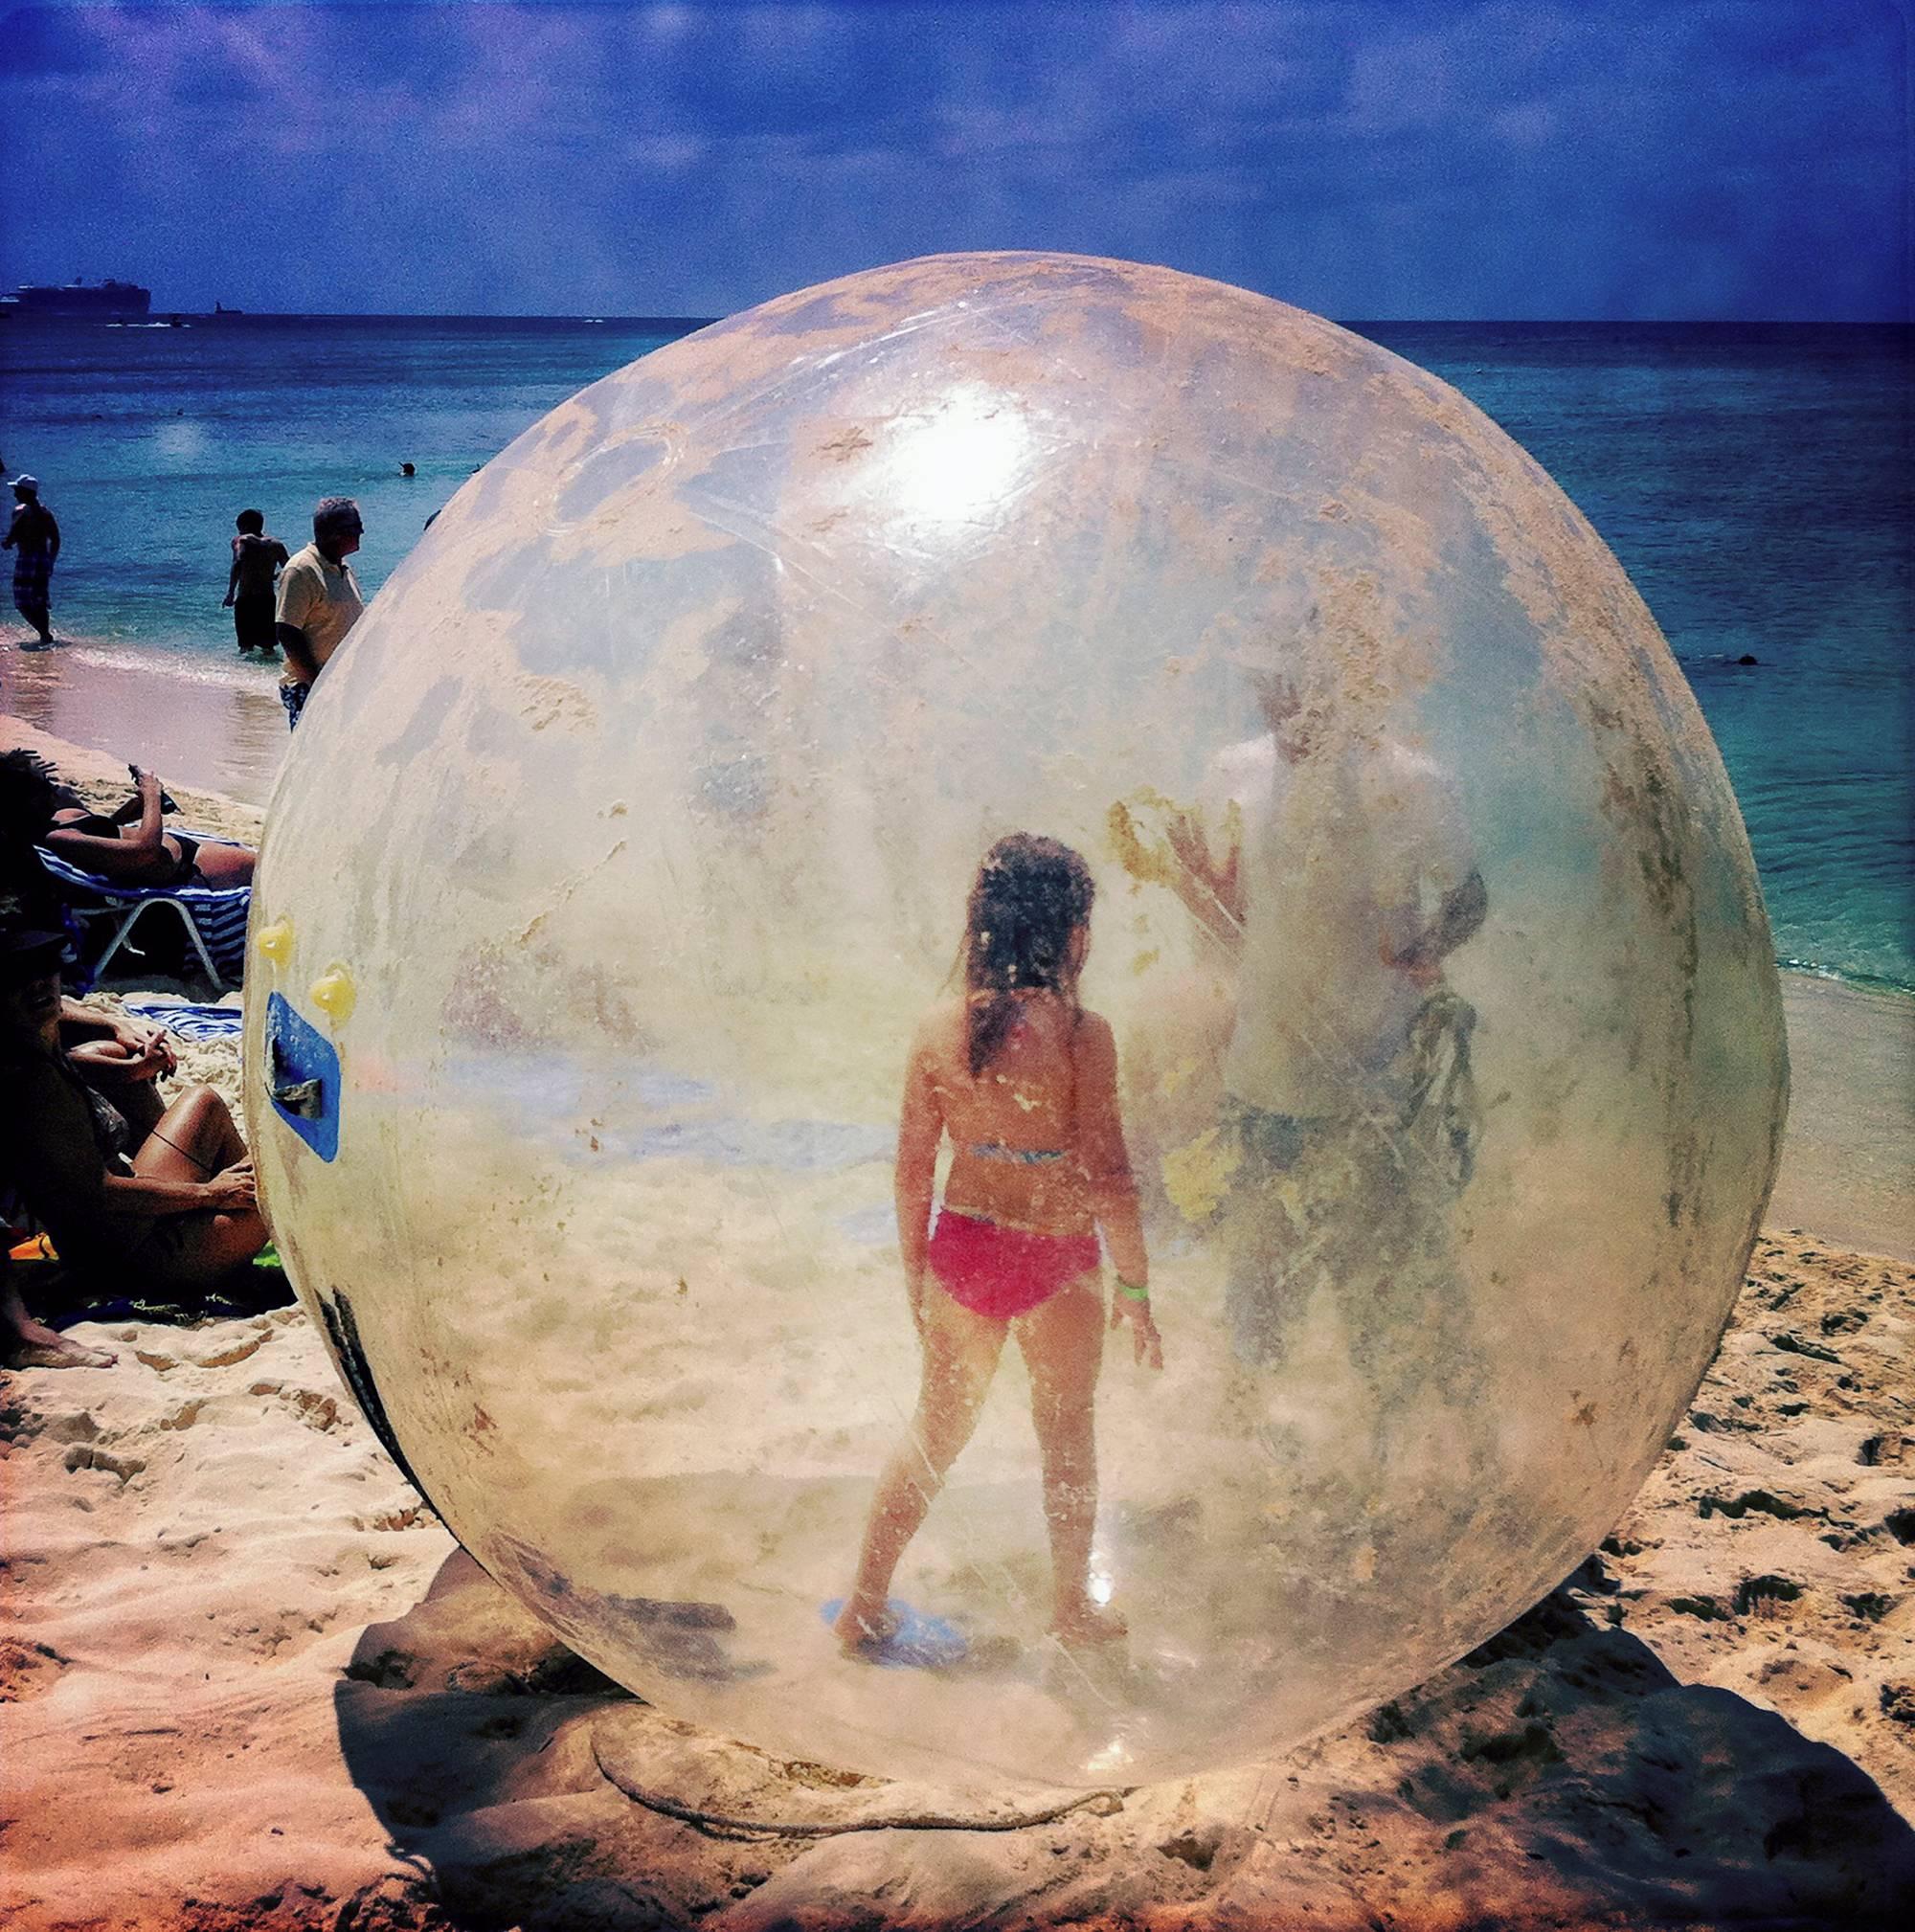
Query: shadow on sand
[1557, 1775]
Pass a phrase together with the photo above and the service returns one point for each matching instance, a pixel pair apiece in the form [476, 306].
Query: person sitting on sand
[250, 584]
[34, 539]
[129, 846]
[1025, 1081]
[172, 1204]
[118, 1057]
[121, 1058]
[125, 1060]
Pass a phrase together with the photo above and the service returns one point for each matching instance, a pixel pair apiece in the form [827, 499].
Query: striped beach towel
[193, 1023]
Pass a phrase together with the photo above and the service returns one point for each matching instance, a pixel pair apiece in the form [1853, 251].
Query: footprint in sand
[319, 1412]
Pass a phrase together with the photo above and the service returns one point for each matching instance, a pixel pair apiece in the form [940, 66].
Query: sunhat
[26, 953]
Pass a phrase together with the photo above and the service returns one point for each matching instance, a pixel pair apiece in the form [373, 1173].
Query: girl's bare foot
[1086, 1623]
[863, 1624]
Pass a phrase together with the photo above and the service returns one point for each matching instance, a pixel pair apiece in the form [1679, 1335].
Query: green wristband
[1131, 1290]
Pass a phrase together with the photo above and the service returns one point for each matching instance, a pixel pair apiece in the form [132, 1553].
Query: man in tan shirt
[319, 601]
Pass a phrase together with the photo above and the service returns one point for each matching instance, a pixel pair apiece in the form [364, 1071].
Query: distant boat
[220, 308]
[80, 301]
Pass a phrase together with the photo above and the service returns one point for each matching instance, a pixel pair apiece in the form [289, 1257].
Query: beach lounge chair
[213, 917]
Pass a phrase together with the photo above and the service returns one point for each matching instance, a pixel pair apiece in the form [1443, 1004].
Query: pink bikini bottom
[1005, 1272]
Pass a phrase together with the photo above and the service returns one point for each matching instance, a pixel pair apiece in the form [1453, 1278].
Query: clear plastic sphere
[623, 851]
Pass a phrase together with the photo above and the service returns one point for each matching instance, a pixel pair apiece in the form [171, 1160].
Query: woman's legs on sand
[1063, 1344]
[960, 1356]
[193, 1138]
[193, 1141]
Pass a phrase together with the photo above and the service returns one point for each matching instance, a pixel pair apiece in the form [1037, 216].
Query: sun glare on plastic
[962, 461]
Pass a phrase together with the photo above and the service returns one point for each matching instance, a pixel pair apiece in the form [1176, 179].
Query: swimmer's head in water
[1032, 898]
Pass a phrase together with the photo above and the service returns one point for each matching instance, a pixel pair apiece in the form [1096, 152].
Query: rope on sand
[1103, 1803]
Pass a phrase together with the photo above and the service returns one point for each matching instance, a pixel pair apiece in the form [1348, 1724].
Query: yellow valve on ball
[276, 941]
[334, 993]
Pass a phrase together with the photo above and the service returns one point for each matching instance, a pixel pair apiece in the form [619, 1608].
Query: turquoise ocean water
[1756, 482]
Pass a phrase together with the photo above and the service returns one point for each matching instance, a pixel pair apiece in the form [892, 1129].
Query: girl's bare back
[1027, 1142]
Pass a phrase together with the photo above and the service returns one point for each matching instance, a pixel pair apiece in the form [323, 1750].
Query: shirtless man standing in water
[257, 559]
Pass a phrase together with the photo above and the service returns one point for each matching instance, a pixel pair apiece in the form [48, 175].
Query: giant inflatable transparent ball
[1013, 1024]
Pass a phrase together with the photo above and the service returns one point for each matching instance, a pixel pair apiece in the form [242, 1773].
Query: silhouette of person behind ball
[1335, 873]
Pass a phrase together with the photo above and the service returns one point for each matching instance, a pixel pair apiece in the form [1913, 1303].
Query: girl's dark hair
[251, 522]
[1031, 894]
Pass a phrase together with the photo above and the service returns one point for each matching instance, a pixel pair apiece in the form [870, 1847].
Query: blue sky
[1364, 158]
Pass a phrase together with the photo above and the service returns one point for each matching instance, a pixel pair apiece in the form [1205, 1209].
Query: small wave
[1869, 982]
[175, 666]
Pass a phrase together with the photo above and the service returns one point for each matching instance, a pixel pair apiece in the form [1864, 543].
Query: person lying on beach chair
[127, 847]
[172, 1204]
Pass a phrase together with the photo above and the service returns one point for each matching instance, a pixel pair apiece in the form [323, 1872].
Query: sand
[249, 1680]
[254, 1682]
[213, 725]
[1846, 1165]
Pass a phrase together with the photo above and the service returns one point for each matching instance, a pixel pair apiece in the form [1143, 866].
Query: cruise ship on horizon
[80, 301]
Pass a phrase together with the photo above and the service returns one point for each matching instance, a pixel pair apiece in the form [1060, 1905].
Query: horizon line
[166, 316]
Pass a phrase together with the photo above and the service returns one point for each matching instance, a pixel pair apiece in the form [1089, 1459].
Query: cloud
[1363, 157]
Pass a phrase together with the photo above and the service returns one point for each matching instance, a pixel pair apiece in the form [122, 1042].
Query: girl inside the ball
[1025, 1081]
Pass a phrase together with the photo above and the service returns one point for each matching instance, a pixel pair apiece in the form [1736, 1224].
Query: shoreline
[102, 779]
[1848, 1157]
[214, 726]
